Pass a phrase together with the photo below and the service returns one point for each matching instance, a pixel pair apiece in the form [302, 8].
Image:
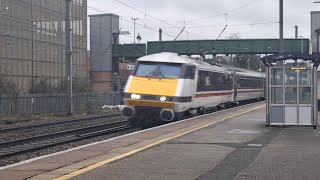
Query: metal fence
[56, 103]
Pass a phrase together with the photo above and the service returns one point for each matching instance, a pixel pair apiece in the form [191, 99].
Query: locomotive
[166, 87]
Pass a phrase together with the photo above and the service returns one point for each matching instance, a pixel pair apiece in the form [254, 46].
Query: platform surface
[242, 148]
[233, 144]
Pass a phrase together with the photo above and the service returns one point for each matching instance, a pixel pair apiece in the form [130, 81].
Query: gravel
[52, 129]
[35, 120]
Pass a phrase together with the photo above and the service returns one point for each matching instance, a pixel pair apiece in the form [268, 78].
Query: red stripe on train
[225, 93]
[213, 94]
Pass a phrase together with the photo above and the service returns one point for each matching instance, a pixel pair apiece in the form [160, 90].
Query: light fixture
[138, 96]
[135, 96]
[163, 98]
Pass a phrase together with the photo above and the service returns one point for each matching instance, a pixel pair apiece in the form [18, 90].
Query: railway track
[55, 124]
[21, 146]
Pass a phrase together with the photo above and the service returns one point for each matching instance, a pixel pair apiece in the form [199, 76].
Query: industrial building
[32, 41]
[104, 32]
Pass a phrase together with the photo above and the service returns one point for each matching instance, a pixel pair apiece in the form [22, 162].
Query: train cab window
[169, 71]
[146, 70]
[160, 70]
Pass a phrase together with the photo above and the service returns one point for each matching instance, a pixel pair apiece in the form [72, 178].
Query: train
[166, 87]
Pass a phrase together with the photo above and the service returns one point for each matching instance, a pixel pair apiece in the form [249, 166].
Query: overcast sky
[249, 18]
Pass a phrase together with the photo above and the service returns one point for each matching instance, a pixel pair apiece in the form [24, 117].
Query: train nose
[128, 112]
[166, 115]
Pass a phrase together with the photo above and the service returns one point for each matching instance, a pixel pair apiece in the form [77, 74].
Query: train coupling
[128, 111]
[167, 115]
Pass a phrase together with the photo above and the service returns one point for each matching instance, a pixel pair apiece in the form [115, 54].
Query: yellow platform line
[104, 162]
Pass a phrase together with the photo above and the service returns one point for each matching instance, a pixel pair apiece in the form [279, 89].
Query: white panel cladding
[305, 115]
[186, 87]
[291, 115]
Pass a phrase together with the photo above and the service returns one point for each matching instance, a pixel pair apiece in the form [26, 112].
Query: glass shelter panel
[305, 95]
[277, 76]
[305, 77]
[277, 95]
[291, 95]
[290, 76]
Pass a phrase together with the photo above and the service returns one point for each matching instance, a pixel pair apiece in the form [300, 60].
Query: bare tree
[79, 85]
[247, 61]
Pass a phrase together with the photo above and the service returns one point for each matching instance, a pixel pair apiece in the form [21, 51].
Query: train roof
[168, 57]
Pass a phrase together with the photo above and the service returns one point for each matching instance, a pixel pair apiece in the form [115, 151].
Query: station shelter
[291, 89]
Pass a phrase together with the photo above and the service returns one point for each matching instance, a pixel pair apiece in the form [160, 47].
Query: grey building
[315, 25]
[104, 32]
[32, 41]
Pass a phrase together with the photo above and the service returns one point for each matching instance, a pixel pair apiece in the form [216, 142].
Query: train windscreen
[160, 70]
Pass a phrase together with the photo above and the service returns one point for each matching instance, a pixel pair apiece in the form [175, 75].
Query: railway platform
[230, 144]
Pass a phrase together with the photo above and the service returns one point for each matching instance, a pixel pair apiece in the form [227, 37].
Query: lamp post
[125, 33]
[134, 37]
[281, 41]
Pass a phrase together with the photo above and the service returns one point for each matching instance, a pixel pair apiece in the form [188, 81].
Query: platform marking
[255, 145]
[104, 162]
[244, 131]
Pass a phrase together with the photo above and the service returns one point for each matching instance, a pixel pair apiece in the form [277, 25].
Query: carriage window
[249, 83]
[213, 81]
[189, 72]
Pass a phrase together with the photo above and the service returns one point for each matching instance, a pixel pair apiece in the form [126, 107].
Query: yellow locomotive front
[154, 93]
[150, 93]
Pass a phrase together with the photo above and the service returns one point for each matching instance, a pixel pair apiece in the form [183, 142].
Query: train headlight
[163, 98]
[135, 96]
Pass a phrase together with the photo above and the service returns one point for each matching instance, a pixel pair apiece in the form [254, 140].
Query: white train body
[171, 84]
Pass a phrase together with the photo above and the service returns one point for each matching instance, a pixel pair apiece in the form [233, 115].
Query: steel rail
[29, 128]
[21, 146]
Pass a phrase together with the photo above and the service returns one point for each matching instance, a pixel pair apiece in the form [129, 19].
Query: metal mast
[69, 57]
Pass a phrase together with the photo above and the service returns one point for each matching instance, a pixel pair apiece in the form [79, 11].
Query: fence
[55, 103]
